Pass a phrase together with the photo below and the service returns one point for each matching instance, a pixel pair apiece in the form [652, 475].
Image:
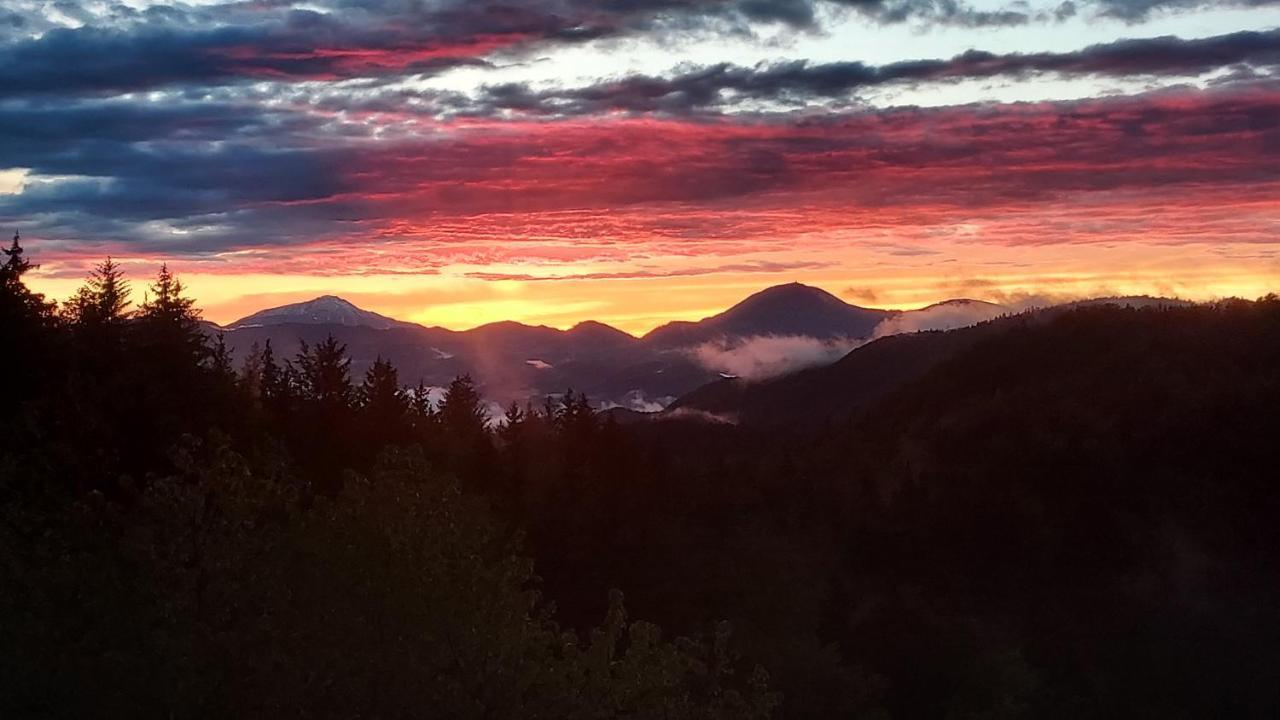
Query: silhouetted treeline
[180, 538]
[1073, 515]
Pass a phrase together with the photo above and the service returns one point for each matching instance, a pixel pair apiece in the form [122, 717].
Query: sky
[456, 162]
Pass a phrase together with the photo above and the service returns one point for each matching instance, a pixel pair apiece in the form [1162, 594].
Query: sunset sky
[456, 162]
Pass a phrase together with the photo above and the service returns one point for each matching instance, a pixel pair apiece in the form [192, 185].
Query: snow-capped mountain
[324, 310]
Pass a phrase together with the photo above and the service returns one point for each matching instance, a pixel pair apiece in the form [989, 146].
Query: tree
[326, 400]
[384, 406]
[251, 372]
[420, 407]
[25, 318]
[464, 424]
[462, 411]
[324, 371]
[15, 266]
[103, 300]
[168, 327]
[17, 303]
[381, 395]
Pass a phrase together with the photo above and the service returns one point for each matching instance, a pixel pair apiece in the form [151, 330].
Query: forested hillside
[1068, 517]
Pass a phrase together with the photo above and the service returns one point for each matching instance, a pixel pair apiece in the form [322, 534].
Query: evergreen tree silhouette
[104, 298]
[25, 319]
[384, 407]
[462, 412]
[464, 425]
[327, 410]
[15, 265]
[168, 325]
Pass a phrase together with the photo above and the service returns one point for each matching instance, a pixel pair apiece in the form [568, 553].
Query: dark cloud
[120, 49]
[1139, 10]
[802, 81]
[946, 162]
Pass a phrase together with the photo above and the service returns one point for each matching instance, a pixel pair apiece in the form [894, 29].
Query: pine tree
[326, 416]
[168, 325]
[17, 302]
[420, 404]
[220, 360]
[166, 304]
[464, 425]
[104, 298]
[512, 421]
[384, 405]
[25, 319]
[462, 412]
[251, 372]
[276, 386]
[324, 372]
[270, 379]
[15, 266]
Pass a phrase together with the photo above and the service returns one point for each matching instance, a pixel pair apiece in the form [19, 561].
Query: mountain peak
[323, 310]
[789, 309]
[791, 293]
[595, 328]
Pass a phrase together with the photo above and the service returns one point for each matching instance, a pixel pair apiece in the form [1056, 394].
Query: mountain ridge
[517, 361]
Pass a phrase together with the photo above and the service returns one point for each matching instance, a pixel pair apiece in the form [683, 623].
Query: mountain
[792, 309]
[911, 344]
[510, 360]
[843, 388]
[514, 361]
[324, 310]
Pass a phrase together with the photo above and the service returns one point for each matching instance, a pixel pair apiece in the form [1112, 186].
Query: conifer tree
[15, 265]
[384, 405]
[271, 379]
[251, 372]
[17, 302]
[512, 421]
[166, 303]
[276, 386]
[220, 360]
[464, 426]
[420, 404]
[462, 412]
[104, 298]
[25, 320]
[325, 374]
[326, 405]
[169, 325]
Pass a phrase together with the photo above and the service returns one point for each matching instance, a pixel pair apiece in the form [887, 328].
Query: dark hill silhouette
[832, 391]
[513, 360]
[792, 309]
[867, 373]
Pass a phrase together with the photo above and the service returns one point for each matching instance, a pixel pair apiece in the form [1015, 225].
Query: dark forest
[1065, 515]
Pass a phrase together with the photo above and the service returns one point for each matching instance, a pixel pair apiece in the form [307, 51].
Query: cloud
[203, 178]
[685, 413]
[115, 48]
[638, 401]
[799, 82]
[942, 316]
[753, 267]
[1139, 10]
[762, 357]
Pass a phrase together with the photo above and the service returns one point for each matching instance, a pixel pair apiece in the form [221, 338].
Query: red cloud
[1173, 168]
